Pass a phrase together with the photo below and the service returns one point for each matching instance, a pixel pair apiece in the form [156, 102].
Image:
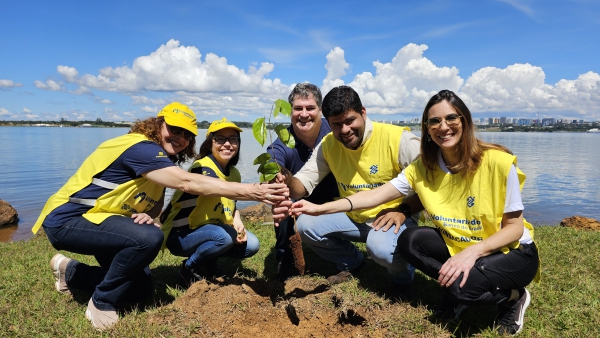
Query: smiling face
[223, 153]
[172, 143]
[349, 127]
[447, 137]
[306, 115]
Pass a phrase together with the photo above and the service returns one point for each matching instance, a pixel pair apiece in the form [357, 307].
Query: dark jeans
[490, 281]
[282, 235]
[122, 248]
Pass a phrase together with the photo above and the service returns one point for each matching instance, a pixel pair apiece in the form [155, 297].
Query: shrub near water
[565, 304]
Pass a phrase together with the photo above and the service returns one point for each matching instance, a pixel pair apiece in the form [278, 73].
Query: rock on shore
[580, 222]
[8, 214]
[257, 213]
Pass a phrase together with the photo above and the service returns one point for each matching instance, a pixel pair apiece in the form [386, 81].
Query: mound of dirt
[239, 307]
[581, 223]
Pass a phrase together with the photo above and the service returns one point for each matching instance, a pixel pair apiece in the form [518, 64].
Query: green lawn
[565, 304]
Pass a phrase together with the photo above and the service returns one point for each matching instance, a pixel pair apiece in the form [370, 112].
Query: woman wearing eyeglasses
[481, 250]
[107, 210]
[204, 228]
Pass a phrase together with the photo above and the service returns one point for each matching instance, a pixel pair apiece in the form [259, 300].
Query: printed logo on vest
[161, 155]
[374, 169]
[470, 201]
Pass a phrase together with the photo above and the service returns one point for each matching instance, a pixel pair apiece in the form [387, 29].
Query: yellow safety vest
[125, 199]
[469, 209]
[366, 168]
[207, 210]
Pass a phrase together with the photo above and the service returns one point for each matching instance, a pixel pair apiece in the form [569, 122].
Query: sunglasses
[220, 139]
[187, 135]
[435, 122]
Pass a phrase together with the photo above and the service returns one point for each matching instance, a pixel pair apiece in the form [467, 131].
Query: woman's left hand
[462, 262]
[143, 218]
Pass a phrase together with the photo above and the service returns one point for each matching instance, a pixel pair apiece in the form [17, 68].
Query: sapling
[267, 169]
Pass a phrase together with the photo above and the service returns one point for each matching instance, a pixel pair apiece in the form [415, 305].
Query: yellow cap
[179, 115]
[222, 124]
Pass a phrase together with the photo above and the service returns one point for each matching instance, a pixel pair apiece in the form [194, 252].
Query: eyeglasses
[220, 139]
[187, 135]
[451, 120]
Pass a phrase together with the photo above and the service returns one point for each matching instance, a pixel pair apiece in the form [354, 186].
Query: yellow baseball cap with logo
[179, 115]
[222, 124]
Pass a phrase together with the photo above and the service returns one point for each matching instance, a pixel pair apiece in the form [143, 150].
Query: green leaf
[262, 158]
[282, 107]
[268, 171]
[267, 177]
[268, 168]
[285, 136]
[259, 130]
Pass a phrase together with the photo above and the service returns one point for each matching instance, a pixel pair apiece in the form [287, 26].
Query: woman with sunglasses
[481, 250]
[204, 228]
[107, 210]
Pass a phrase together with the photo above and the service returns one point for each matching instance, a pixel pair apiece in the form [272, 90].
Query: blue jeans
[208, 243]
[123, 249]
[331, 237]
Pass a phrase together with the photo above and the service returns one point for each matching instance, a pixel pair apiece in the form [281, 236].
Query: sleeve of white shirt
[314, 170]
[401, 183]
[513, 201]
[409, 149]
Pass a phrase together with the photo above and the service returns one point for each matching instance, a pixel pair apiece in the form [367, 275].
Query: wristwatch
[405, 209]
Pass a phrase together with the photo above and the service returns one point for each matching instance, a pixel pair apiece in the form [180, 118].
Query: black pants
[282, 235]
[490, 281]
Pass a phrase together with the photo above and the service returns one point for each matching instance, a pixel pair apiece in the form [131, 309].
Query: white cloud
[140, 99]
[173, 67]
[31, 116]
[520, 5]
[404, 84]
[50, 85]
[521, 87]
[9, 84]
[81, 90]
[4, 111]
[148, 109]
[336, 68]
[26, 110]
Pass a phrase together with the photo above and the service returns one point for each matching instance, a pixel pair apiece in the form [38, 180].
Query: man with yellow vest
[107, 209]
[362, 155]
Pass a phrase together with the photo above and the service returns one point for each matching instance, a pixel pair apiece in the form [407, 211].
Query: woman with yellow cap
[106, 209]
[204, 228]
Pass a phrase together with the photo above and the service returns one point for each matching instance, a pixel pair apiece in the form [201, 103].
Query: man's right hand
[280, 211]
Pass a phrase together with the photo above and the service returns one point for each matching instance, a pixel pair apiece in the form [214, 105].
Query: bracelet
[349, 201]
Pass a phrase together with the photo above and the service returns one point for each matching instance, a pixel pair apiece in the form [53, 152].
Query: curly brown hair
[470, 148]
[150, 128]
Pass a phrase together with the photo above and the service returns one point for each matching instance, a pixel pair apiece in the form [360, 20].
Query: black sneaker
[510, 315]
[285, 267]
[450, 309]
[344, 276]
[212, 270]
[188, 276]
[401, 292]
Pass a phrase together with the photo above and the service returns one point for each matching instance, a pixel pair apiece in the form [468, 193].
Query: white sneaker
[58, 264]
[101, 320]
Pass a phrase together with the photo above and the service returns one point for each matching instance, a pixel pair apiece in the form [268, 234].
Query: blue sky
[124, 60]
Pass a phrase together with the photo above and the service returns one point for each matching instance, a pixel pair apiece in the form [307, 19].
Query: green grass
[565, 304]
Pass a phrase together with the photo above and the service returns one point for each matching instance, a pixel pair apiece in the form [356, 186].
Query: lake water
[563, 169]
